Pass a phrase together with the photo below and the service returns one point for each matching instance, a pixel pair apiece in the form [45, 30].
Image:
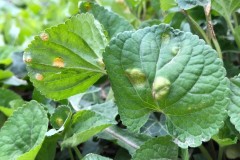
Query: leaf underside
[165, 70]
[67, 59]
[22, 135]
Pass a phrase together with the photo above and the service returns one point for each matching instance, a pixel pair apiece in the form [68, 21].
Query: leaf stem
[205, 152]
[220, 153]
[207, 11]
[78, 153]
[235, 20]
[185, 154]
[120, 137]
[236, 36]
[196, 27]
[70, 154]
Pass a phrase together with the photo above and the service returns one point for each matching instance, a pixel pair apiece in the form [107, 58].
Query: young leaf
[112, 23]
[67, 59]
[85, 124]
[157, 148]
[61, 114]
[92, 156]
[22, 135]
[234, 107]
[188, 4]
[165, 70]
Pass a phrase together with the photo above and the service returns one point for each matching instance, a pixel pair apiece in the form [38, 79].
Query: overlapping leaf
[234, 107]
[157, 148]
[67, 59]
[22, 135]
[85, 124]
[112, 22]
[165, 70]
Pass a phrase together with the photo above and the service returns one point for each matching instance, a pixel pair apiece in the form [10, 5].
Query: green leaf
[22, 135]
[85, 124]
[155, 127]
[61, 114]
[159, 69]
[5, 74]
[225, 7]
[234, 107]
[188, 4]
[7, 96]
[157, 148]
[112, 23]
[167, 4]
[7, 111]
[92, 156]
[66, 60]
[124, 138]
[48, 149]
[226, 135]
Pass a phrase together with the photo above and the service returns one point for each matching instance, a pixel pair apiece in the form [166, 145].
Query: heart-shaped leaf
[165, 70]
[22, 135]
[67, 59]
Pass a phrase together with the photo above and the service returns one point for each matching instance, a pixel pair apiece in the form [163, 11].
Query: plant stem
[185, 154]
[220, 153]
[236, 36]
[207, 11]
[196, 27]
[235, 20]
[121, 138]
[70, 154]
[205, 152]
[78, 153]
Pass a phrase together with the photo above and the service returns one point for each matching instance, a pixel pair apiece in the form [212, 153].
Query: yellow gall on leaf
[27, 57]
[58, 62]
[87, 6]
[44, 36]
[136, 76]
[59, 121]
[175, 50]
[39, 77]
[160, 88]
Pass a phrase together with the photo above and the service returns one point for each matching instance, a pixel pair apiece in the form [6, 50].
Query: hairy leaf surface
[188, 4]
[112, 22]
[165, 70]
[157, 148]
[67, 59]
[22, 135]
